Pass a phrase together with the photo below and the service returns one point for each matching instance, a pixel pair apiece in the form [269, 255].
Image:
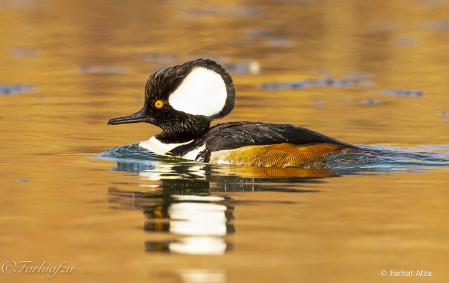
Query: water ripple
[133, 158]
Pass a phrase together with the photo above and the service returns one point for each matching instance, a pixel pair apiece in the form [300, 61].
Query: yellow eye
[158, 104]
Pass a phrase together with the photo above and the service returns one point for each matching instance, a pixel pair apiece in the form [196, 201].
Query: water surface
[73, 189]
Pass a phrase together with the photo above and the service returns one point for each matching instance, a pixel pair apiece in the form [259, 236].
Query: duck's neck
[182, 132]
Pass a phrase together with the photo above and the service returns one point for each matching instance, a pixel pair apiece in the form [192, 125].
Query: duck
[184, 99]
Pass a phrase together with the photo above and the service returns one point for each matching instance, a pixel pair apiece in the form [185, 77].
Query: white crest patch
[203, 92]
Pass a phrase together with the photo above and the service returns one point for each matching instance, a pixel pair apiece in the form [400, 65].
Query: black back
[238, 134]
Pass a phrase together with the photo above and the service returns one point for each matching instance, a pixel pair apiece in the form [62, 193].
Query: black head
[182, 100]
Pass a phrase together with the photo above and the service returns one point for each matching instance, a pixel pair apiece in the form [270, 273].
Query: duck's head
[184, 99]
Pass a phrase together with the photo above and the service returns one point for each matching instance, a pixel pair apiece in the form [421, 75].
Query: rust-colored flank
[284, 154]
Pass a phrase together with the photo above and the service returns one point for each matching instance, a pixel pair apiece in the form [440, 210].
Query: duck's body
[184, 99]
[253, 144]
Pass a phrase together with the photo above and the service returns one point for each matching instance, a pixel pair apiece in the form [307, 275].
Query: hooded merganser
[183, 100]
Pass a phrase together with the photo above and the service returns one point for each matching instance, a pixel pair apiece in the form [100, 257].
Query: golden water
[88, 61]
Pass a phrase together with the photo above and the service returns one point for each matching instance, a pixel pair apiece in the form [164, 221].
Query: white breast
[155, 146]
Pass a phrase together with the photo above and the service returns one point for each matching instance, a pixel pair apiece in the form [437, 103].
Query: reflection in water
[326, 81]
[406, 93]
[15, 89]
[183, 200]
[252, 67]
[220, 11]
[102, 69]
[181, 207]
[200, 222]
[176, 200]
[370, 101]
[23, 52]
[197, 216]
[203, 275]
[203, 221]
[192, 177]
[435, 25]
